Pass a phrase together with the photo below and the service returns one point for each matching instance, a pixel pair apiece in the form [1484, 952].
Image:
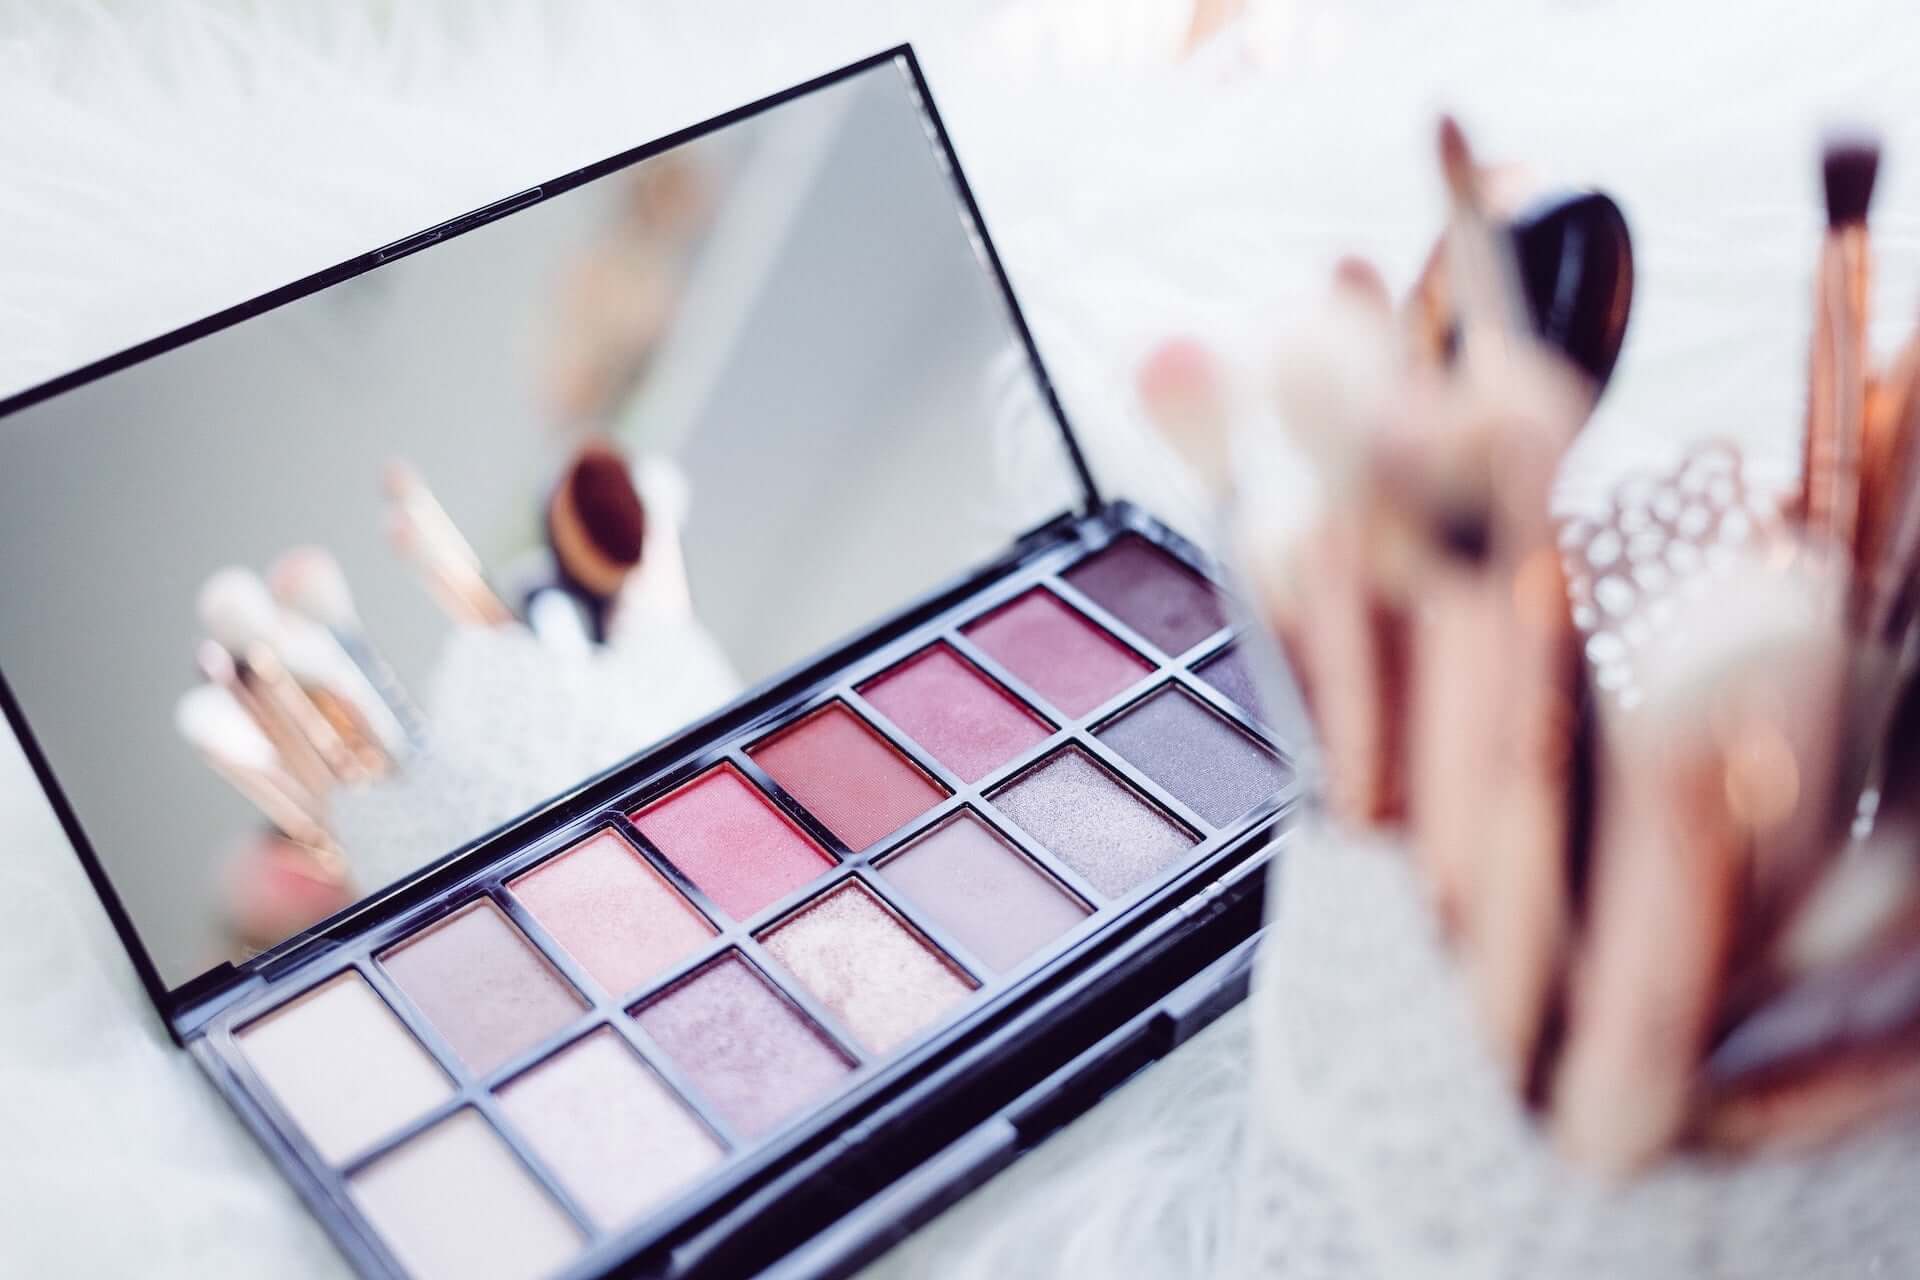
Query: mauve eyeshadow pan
[964, 720]
[1093, 822]
[731, 841]
[612, 912]
[1151, 592]
[847, 775]
[749, 1053]
[1212, 767]
[482, 985]
[1058, 651]
[986, 894]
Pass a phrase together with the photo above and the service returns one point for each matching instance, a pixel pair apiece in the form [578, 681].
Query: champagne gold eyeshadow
[576, 1047]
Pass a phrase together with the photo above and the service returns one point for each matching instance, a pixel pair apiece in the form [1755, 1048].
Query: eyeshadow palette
[591, 1032]
[733, 917]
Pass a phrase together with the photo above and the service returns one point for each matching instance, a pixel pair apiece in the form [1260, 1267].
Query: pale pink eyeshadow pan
[988, 896]
[482, 985]
[613, 1133]
[454, 1204]
[612, 912]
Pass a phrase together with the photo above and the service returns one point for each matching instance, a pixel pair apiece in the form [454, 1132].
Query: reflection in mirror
[301, 606]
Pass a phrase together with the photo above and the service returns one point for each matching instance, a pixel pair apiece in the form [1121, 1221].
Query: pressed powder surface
[964, 720]
[1228, 673]
[1057, 650]
[1212, 767]
[731, 841]
[754, 1058]
[1151, 592]
[614, 914]
[617, 1138]
[882, 982]
[343, 1066]
[482, 985]
[1093, 822]
[847, 775]
[455, 1203]
[988, 895]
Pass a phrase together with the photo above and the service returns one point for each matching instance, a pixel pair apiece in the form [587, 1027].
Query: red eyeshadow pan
[847, 775]
[964, 720]
[1057, 650]
[731, 841]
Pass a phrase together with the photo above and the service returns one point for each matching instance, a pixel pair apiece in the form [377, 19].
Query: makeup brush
[1889, 541]
[290, 742]
[596, 526]
[220, 729]
[240, 615]
[1715, 786]
[309, 582]
[421, 531]
[1837, 365]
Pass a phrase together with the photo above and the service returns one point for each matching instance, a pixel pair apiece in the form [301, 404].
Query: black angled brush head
[1849, 164]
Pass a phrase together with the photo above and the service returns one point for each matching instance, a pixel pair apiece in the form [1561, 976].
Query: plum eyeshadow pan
[653, 995]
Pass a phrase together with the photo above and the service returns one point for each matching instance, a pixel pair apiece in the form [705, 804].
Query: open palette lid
[789, 319]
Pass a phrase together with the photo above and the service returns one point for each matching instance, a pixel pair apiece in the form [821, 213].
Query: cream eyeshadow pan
[605, 1023]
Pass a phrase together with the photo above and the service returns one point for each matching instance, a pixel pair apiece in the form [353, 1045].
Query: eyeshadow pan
[482, 985]
[1151, 592]
[1058, 651]
[1093, 822]
[454, 1202]
[877, 976]
[964, 720]
[612, 912]
[343, 1066]
[732, 842]
[750, 1054]
[848, 776]
[617, 1138]
[987, 894]
[1212, 767]
[1228, 673]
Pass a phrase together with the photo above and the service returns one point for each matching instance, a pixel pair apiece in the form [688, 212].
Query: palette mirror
[817, 395]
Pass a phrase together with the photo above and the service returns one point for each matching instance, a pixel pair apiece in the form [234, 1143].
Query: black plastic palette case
[619, 730]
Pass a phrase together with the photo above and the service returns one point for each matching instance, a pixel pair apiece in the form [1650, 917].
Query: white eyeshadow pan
[455, 1204]
[343, 1066]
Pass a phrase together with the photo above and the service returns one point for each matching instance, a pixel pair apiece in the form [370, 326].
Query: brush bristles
[1849, 166]
[309, 581]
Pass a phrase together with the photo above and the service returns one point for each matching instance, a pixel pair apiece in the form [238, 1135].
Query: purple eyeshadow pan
[1211, 766]
[749, 1053]
[1151, 592]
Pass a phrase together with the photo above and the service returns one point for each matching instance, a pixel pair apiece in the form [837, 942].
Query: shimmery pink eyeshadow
[745, 1050]
[731, 841]
[964, 720]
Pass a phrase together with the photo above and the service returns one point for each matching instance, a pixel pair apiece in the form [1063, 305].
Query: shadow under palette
[669, 993]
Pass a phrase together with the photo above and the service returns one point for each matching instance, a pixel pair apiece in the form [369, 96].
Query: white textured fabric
[1384, 1144]
[163, 159]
